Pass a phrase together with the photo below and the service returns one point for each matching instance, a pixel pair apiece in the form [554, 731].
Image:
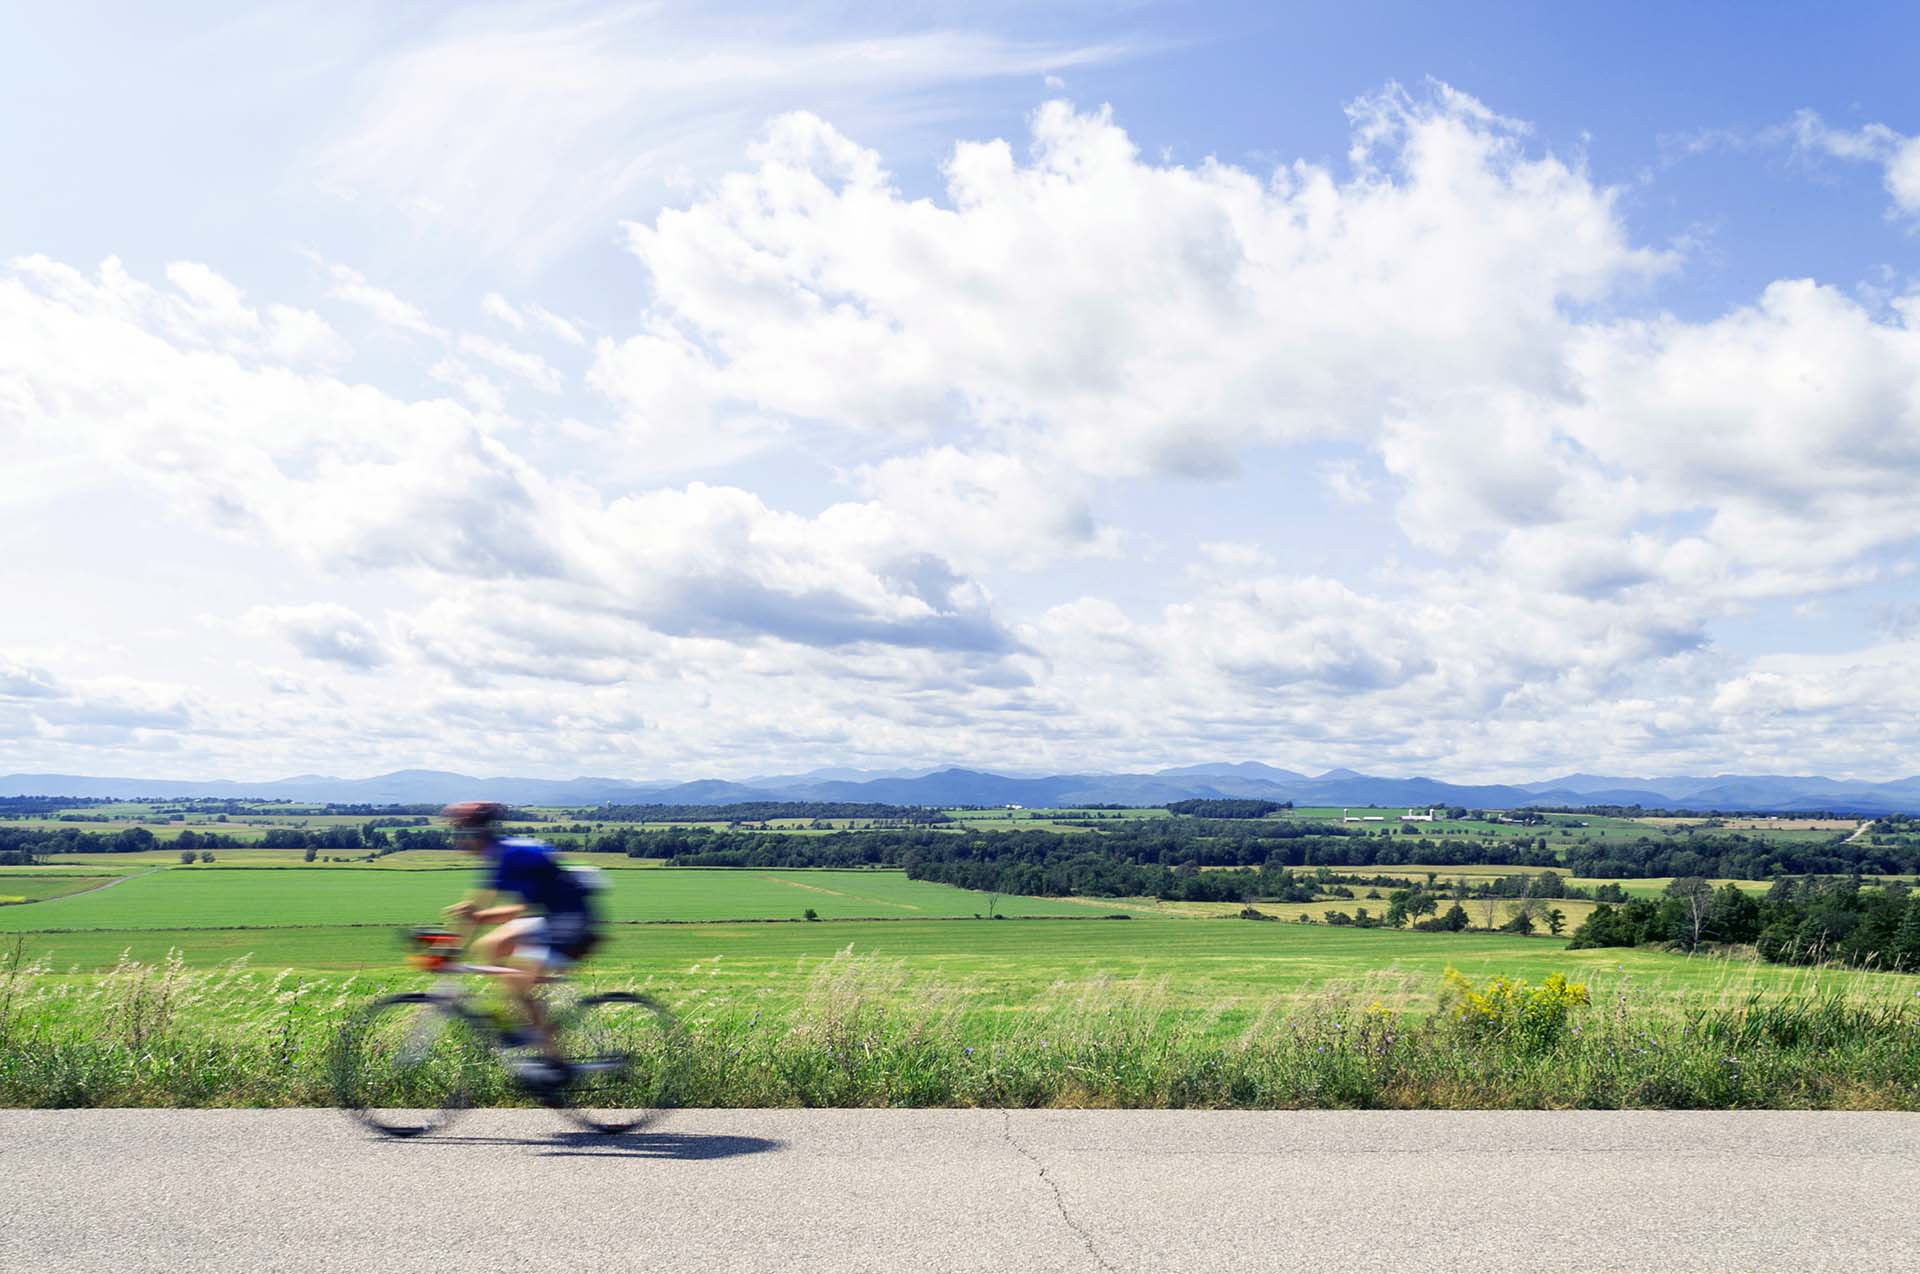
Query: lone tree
[1405, 905]
[1490, 910]
[1690, 899]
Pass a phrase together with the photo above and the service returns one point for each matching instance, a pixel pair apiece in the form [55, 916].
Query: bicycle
[408, 1064]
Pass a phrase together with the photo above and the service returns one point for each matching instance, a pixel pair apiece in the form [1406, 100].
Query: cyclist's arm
[481, 909]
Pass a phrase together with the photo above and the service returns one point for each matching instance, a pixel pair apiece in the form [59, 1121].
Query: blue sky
[672, 390]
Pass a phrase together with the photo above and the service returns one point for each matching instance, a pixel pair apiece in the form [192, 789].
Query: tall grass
[869, 1033]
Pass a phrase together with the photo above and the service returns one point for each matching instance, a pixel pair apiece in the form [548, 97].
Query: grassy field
[218, 897]
[227, 984]
[37, 887]
[1008, 966]
[1561, 829]
[249, 822]
[333, 921]
[336, 860]
[1025, 1013]
[1638, 886]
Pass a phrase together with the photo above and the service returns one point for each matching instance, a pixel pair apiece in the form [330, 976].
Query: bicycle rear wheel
[624, 1056]
[406, 1065]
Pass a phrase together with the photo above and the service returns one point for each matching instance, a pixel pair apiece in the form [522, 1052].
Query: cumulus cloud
[324, 631]
[1898, 155]
[118, 704]
[199, 308]
[1447, 305]
[531, 368]
[1570, 495]
[301, 336]
[1128, 316]
[215, 301]
[1344, 479]
[349, 478]
[519, 317]
[495, 306]
[985, 508]
[22, 680]
[387, 308]
[39, 710]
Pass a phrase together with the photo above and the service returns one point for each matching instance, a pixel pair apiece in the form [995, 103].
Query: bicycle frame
[458, 996]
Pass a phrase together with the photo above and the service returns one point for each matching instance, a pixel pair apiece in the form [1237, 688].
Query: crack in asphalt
[1059, 1201]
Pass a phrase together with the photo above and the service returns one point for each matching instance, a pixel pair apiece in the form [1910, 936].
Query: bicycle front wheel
[407, 1064]
[624, 1057]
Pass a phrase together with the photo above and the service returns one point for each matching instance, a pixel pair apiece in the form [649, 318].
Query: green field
[334, 920]
[227, 984]
[248, 822]
[217, 897]
[1206, 966]
[1638, 886]
[337, 860]
[17, 887]
[1561, 829]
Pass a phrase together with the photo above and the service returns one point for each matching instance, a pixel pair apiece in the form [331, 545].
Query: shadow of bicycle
[643, 1144]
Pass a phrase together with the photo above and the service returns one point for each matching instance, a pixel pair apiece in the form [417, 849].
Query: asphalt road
[853, 1190]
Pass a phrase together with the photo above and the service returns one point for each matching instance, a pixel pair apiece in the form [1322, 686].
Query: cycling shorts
[557, 940]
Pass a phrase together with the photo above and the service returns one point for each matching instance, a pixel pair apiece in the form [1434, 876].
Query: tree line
[1227, 808]
[24, 846]
[761, 811]
[1738, 856]
[1807, 921]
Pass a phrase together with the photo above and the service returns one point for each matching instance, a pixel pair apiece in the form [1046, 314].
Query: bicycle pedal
[540, 1072]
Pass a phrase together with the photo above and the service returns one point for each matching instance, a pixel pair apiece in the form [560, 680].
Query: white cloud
[387, 308]
[1344, 479]
[476, 387]
[324, 631]
[216, 302]
[518, 317]
[529, 367]
[986, 508]
[301, 336]
[351, 479]
[21, 680]
[1010, 380]
[1236, 555]
[1898, 155]
[1129, 317]
[1098, 315]
[112, 709]
[523, 131]
[555, 326]
[498, 307]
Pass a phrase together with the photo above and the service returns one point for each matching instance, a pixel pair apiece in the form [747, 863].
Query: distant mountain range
[1743, 792]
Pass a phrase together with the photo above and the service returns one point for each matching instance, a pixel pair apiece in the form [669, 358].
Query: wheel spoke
[624, 1056]
[406, 1065]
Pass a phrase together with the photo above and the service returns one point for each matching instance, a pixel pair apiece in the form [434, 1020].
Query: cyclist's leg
[520, 947]
[552, 948]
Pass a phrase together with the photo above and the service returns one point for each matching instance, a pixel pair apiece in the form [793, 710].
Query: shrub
[1513, 1009]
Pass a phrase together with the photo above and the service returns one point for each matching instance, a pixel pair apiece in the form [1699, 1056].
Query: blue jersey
[528, 870]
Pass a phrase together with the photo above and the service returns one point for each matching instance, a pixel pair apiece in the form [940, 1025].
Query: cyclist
[550, 926]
